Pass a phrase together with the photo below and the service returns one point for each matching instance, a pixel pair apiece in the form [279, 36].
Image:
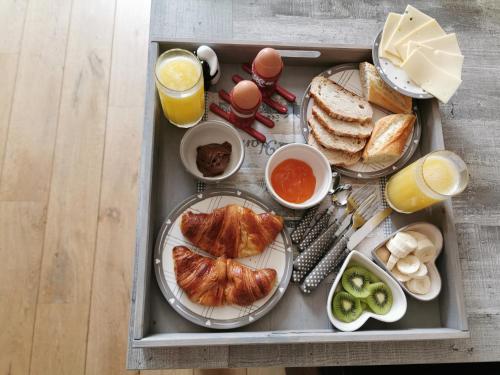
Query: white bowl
[211, 132]
[315, 159]
[436, 238]
[397, 310]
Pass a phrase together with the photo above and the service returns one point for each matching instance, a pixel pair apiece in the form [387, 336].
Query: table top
[470, 126]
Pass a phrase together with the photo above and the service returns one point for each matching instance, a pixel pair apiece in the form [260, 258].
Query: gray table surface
[471, 128]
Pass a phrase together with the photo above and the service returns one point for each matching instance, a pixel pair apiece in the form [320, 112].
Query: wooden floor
[71, 108]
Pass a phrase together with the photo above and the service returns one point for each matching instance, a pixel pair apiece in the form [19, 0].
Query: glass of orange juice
[429, 180]
[179, 80]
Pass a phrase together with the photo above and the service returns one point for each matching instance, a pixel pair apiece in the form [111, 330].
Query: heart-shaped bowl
[435, 236]
[397, 310]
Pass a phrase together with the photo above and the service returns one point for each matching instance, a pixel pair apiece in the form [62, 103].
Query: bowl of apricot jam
[298, 176]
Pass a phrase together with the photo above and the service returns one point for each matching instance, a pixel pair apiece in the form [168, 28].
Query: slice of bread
[335, 142]
[389, 138]
[341, 127]
[335, 157]
[339, 102]
[376, 91]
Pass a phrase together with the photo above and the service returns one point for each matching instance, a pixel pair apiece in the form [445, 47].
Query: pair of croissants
[228, 232]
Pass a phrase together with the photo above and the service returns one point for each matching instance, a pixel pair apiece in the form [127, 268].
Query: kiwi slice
[380, 298]
[355, 281]
[345, 307]
[364, 305]
[372, 278]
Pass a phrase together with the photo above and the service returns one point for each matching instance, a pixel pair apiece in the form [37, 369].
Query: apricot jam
[293, 180]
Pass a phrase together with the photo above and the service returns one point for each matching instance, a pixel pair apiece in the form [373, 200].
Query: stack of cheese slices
[340, 122]
[430, 57]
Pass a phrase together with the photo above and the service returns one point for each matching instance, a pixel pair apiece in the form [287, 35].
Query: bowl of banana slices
[409, 256]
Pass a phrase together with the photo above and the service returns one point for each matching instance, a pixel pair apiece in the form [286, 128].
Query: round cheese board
[394, 76]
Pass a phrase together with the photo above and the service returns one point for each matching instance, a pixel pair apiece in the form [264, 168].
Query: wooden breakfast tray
[297, 317]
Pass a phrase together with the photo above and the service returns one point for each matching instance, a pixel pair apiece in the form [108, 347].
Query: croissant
[245, 286]
[203, 279]
[215, 282]
[233, 231]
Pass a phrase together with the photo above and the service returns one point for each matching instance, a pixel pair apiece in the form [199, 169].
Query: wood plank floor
[71, 107]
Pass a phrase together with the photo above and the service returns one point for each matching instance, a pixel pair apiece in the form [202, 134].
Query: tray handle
[299, 53]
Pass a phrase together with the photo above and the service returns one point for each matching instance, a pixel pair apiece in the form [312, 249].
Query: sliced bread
[389, 138]
[341, 127]
[336, 157]
[335, 142]
[339, 102]
[376, 91]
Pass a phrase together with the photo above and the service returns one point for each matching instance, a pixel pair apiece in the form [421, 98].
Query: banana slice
[419, 286]
[400, 276]
[383, 254]
[391, 262]
[421, 272]
[425, 251]
[402, 244]
[408, 265]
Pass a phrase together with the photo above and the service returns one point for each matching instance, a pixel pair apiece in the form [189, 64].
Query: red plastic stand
[243, 124]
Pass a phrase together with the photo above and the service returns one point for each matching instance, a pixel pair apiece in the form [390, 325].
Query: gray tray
[297, 317]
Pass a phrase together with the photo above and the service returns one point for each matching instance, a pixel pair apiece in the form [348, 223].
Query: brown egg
[246, 95]
[268, 62]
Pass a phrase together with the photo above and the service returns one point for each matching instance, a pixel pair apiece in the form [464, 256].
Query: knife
[339, 252]
[366, 229]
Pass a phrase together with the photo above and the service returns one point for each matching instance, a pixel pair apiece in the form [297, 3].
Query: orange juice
[179, 80]
[429, 180]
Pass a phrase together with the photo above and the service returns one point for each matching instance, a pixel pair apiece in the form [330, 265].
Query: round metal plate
[278, 255]
[347, 76]
[394, 76]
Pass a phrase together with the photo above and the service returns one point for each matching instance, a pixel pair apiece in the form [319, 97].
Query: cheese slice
[447, 43]
[430, 77]
[449, 62]
[390, 25]
[427, 31]
[411, 20]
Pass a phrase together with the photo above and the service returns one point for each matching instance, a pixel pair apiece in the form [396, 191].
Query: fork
[306, 261]
[338, 253]
[353, 201]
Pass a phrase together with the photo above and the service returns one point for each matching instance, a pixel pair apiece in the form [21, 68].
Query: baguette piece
[341, 127]
[388, 138]
[335, 157]
[335, 142]
[376, 91]
[339, 102]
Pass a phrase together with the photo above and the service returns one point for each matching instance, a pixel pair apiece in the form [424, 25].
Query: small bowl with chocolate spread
[212, 151]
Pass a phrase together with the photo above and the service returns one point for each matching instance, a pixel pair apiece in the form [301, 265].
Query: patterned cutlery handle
[312, 255]
[331, 260]
[315, 231]
[298, 276]
[301, 229]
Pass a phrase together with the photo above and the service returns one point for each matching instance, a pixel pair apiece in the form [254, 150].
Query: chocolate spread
[212, 159]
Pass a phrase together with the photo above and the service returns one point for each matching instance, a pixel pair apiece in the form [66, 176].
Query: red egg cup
[244, 124]
[269, 91]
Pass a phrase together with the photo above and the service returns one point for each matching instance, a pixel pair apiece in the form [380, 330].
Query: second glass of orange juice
[179, 80]
[429, 180]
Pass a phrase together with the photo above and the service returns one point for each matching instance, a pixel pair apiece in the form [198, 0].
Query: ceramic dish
[315, 159]
[399, 304]
[347, 76]
[394, 76]
[211, 132]
[435, 236]
[277, 255]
